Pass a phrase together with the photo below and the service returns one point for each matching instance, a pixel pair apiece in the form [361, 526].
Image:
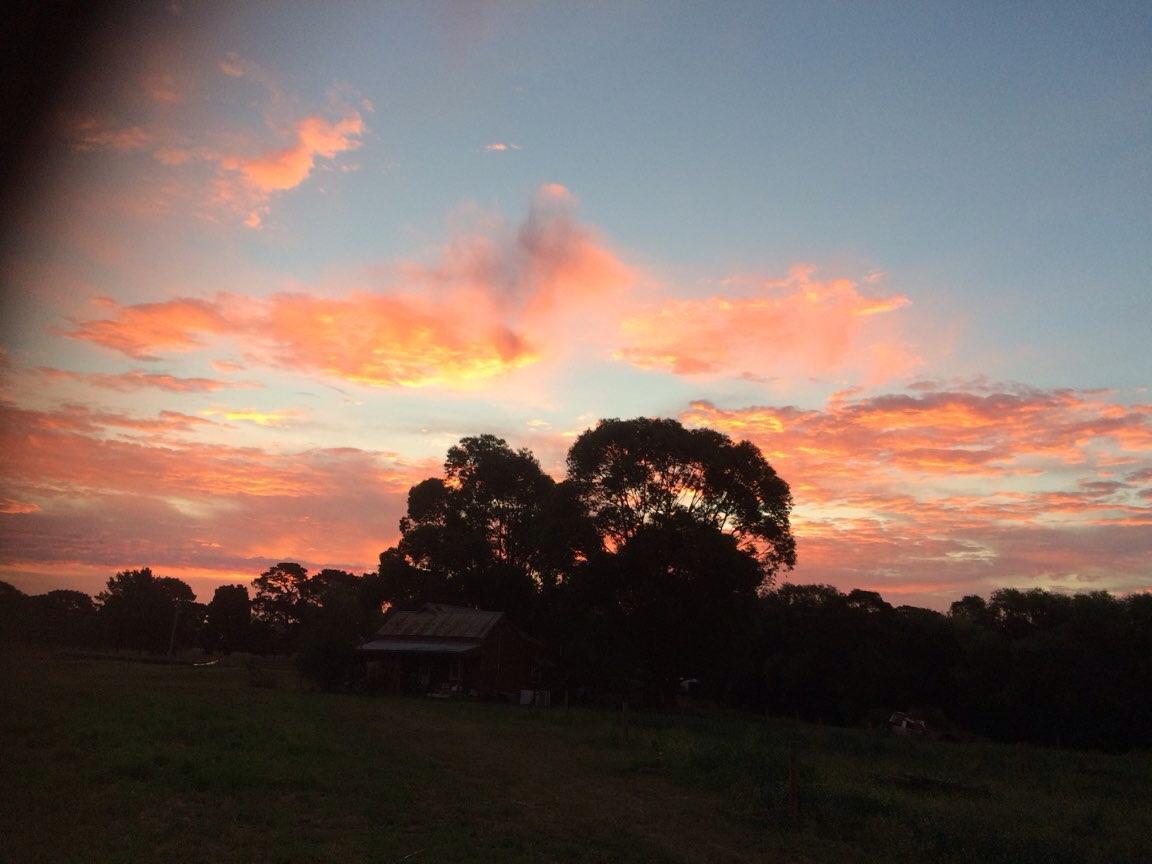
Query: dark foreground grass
[114, 761]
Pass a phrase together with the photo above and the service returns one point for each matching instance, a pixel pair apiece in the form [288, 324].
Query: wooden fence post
[793, 785]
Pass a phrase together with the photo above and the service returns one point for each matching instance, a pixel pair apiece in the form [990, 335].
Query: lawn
[116, 761]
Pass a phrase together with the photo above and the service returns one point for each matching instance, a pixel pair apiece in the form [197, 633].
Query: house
[445, 649]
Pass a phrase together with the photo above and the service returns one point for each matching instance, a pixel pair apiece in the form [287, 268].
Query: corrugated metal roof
[417, 646]
[440, 621]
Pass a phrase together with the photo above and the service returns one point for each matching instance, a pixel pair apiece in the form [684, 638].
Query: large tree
[677, 600]
[630, 473]
[494, 532]
[143, 611]
[229, 619]
[281, 595]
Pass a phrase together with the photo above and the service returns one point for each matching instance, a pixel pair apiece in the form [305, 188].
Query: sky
[275, 258]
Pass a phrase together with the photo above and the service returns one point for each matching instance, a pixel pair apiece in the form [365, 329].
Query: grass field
[122, 762]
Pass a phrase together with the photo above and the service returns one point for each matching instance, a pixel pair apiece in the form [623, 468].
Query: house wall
[506, 663]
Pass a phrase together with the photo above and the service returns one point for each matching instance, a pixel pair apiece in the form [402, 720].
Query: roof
[417, 646]
[438, 621]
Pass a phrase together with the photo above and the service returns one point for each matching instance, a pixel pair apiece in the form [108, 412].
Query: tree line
[652, 568]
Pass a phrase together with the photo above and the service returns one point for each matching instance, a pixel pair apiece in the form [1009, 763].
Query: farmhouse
[453, 649]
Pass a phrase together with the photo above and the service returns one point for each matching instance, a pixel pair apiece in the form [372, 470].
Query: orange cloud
[79, 419]
[138, 380]
[288, 167]
[75, 493]
[259, 418]
[173, 325]
[284, 168]
[488, 307]
[797, 326]
[392, 341]
[222, 166]
[8, 505]
[552, 280]
[944, 432]
[378, 340]
[981, 489]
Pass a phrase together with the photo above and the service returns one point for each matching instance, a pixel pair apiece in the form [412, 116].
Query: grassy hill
[118, 761]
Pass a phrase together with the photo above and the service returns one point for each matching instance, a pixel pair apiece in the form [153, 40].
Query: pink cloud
[137, 380]
[273, 419]
[797, 326]
[91, 133]
[74, 494]
[288, 167]
[221, 167]
[12, 507]
[378, 340]
[391, 340]
[885, 497]
[490, 305]
[139, 330]
[80, 419]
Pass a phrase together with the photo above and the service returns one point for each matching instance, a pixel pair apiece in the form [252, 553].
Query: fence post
[793, 785]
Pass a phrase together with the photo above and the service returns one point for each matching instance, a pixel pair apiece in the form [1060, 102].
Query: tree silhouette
[281, 595]
[494, 532]
[330, 635]
[678, 600]
[63, 617]
[229, 619]
[631, 472]
[139, 610]
[13, 603]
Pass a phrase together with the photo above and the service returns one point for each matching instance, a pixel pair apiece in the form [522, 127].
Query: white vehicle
[904, 724]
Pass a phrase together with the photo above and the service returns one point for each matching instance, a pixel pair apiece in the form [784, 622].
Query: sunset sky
[278, 257]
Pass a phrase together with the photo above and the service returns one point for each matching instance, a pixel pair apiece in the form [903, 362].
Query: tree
[400, 584]
[63, 617]
[229, 619]
[494, 532]
[142, 611]
[678, 600]
[13, 603]
[329, 637]
[281, 595]
[631, 472]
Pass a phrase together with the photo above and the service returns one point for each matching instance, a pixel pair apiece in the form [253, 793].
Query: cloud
[552, 280]
[80, 419]
[490, 305]
[391, 341]
[12, 507]
[945, 432]
[249, 415]
[218, 166]
[246, 183]
[144, 328]
[74, 495]
[135, 379]
[287, 167]
[798, 326]
[385, 341]
[500, 147]
[92, 133]
[234, 66]
[953, 488]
